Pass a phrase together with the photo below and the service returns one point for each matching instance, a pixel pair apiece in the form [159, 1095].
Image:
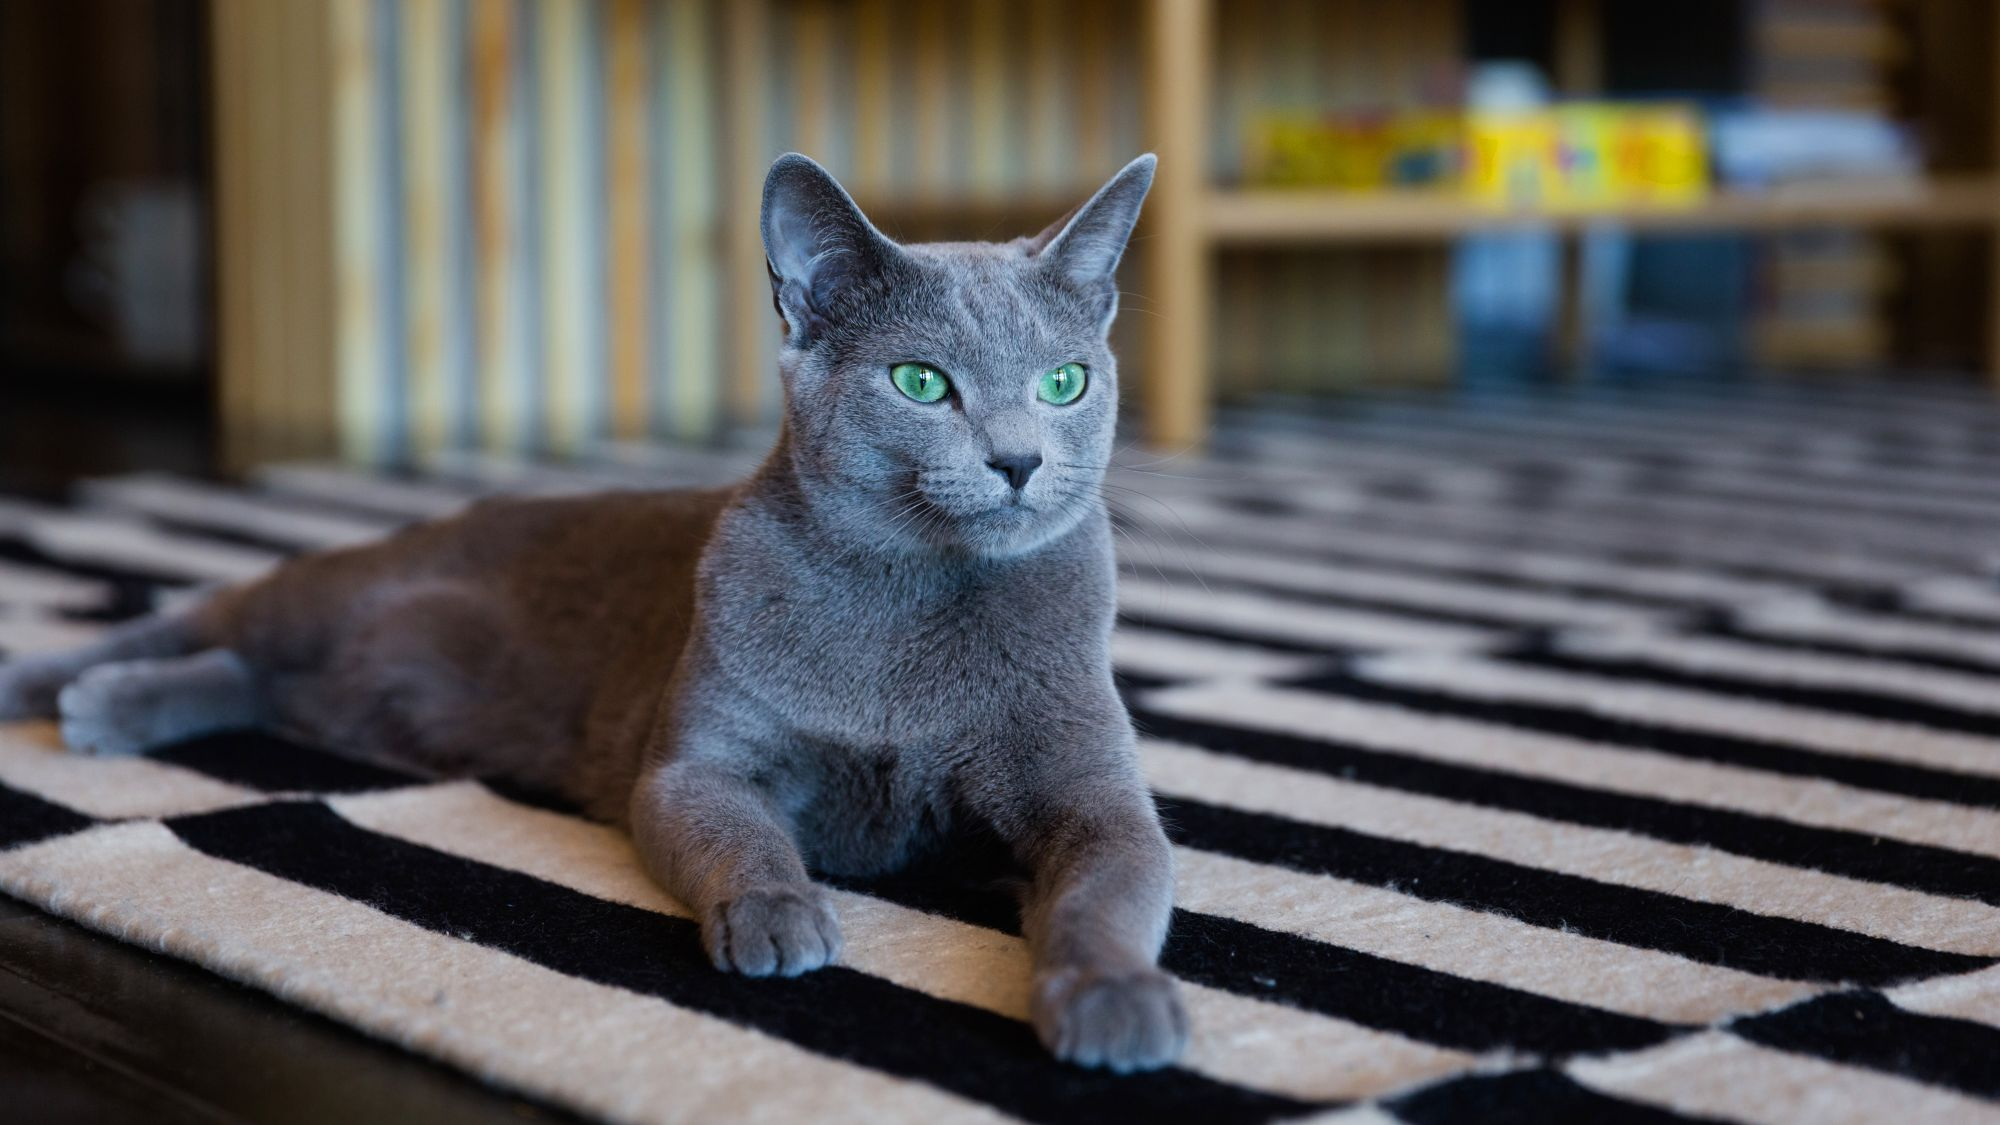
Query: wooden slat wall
[529, 225]
[458, 223]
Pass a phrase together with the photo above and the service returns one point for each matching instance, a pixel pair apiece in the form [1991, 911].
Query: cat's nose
[1016, 467]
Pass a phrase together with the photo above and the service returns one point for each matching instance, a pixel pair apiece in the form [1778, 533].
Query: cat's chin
[1008, 531]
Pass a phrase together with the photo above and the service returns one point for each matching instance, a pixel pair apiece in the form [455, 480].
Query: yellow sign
[1588, 156]
[1580, 156]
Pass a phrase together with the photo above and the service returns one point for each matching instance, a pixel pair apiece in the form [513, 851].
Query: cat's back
[599, 581]
[610, 533]
[496, 641]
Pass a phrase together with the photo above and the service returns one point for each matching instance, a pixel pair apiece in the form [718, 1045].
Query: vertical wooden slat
[751, 375]
[1091, 91]
[278, 308]
[262, 207]
[276, 256]
[236, 358]
[360, 351]
[873, 113]
[809, 61]
[630, 83]
[496, 146]
[697, 364]
[563, 172]
[1179, 262]
[426, 147]
[461, 225]
[992, 55]
[932, 70]
[1238, 63]
[1993, 229]
[307, 367]
[1048, 79]
[1301, 299]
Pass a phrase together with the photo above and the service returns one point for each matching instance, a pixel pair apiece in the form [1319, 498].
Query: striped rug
[1630, 754]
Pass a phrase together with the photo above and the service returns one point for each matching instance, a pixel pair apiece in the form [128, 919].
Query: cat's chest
[870, 808]
[886, 667]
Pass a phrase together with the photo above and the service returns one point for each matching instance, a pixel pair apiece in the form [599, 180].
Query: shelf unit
[1282, 217]
[1189, 219]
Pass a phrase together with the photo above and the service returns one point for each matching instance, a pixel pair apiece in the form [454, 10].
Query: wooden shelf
[1279, 216]
[1189, 219]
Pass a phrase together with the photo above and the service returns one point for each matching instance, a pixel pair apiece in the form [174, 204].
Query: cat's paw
[28, 687]
[782, 930]
[109, 710]
[1121, 1021]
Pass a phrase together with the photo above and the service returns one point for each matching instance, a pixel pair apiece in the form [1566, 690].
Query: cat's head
[961, 396]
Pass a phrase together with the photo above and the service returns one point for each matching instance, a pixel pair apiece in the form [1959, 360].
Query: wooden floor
[92, 1030]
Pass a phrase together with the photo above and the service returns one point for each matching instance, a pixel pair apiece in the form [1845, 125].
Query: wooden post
[1993, 228]
[1177, 249]
[275, 135]
[751, 328]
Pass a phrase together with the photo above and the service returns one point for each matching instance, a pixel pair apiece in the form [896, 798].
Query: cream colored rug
[1634, 755]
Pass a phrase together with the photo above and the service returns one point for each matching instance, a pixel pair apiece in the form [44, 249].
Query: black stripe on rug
[26, 818]
[1409, 1000]
[1472, 577]
[1844, 700]
[231, 536]
[1129, 682]
[1711, 933]
[1244, 638]
[1523, 1097]
[1617, 732]
[260, 760]
[1898, 603]
[1411, 608]
[1873, 858]
[835, 1011]
[1865, 1029]
[129, 592]
[1901, 653]
[1685, 559]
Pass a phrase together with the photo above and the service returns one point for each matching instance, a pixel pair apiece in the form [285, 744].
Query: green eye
[925, 384]
[1062, 386]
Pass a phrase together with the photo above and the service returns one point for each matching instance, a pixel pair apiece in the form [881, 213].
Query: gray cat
[895, 630]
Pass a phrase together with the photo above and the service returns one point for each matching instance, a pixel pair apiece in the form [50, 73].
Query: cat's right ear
[823, 254]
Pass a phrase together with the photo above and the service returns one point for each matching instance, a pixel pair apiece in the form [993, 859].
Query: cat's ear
[1085, 245]
[822, 253]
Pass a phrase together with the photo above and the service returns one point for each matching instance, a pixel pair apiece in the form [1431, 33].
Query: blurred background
[240, 231]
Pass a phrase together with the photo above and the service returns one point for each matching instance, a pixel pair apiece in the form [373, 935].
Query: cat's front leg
[1100, 896]
[719, 843]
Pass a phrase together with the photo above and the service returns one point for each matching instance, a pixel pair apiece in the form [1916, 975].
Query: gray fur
[128, 706]
[874, 643]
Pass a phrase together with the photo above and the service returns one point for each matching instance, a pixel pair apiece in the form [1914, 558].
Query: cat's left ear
[1084, 246]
